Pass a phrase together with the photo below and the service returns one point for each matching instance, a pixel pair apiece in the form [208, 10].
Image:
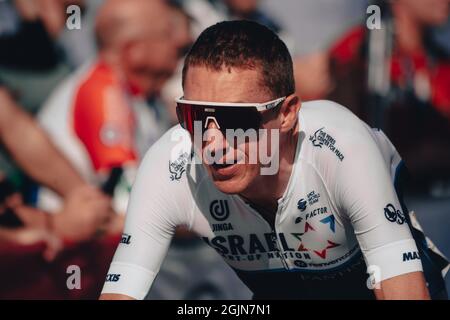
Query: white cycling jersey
[339, 215]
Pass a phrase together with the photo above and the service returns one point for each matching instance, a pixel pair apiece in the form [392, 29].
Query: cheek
[246, 175]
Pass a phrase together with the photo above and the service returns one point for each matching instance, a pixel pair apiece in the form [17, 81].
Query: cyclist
[313, 219]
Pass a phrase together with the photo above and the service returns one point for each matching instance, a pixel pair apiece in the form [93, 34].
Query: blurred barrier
[24, 274]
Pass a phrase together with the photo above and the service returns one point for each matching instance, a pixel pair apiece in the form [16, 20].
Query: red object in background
[347, 51]
[24, 274]
[417, 120]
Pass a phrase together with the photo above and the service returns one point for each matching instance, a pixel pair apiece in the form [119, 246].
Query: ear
[289, 112]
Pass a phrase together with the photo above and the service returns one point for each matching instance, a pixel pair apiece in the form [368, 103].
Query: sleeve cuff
[127, 279]
[394, 259]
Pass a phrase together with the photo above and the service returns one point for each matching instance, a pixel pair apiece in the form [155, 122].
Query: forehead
[225, 85]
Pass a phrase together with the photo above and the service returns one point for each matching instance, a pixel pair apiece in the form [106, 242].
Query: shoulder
[336, 140]
[170, 155]
[161, 188]
[97, 86]
[321, 116]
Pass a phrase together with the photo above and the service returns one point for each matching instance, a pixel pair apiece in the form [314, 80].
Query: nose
[214, 141]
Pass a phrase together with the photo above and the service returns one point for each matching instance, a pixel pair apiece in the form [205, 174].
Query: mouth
[217, 166]
[224, 170]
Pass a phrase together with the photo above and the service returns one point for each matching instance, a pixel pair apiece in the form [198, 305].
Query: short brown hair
[245, 44]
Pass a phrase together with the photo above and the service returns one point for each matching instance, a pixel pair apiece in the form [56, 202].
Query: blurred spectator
[85, 209]
[41, 25]
[29, 56]
[99, 117]
[314, 25]
[412, 102]
[204, 13]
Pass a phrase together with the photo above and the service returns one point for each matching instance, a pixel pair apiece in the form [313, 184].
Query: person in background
[30, 56]
[85, 209]
[99, 117]
[171, 88]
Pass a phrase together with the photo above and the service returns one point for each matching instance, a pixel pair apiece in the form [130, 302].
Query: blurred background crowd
[80, 106]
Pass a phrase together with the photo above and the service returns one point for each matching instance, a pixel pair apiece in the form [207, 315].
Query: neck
[409, 32]
[267, 197]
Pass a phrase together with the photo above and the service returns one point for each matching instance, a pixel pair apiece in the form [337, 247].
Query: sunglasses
[224, 115]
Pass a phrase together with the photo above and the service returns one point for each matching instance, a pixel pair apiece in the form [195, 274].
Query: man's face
[232, 86]
[428, 12]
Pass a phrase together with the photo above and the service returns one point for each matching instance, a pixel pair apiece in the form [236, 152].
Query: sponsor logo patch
[394, 215]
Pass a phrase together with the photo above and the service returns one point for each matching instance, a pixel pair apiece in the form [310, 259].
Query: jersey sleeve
[153, 213]
[366, 193]
[104, 123]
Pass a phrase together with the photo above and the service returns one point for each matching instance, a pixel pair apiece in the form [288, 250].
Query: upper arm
[366, 193]
[153, 214]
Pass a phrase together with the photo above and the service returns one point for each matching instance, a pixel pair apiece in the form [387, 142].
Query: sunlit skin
[245, 85]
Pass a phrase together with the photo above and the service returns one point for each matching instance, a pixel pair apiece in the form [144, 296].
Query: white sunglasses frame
[259, 106]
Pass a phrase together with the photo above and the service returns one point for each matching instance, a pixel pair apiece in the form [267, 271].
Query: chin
[230, 186]
[235, 183]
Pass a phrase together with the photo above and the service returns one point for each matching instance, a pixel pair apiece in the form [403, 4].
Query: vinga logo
[219, 210]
